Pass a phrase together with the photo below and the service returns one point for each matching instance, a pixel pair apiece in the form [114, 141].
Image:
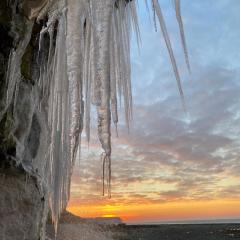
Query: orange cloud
[170, 211]
[170, 168]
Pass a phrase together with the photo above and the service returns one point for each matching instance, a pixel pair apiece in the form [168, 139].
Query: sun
[108, 215]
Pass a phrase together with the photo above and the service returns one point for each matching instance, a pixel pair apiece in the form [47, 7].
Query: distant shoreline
[188, 222]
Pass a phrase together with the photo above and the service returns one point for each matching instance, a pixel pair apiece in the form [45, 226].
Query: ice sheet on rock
[13, 72]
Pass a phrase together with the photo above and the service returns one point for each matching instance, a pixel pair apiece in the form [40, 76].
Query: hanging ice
[88, 64]
[177, 4]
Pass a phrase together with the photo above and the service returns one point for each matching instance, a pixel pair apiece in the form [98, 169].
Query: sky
[174, 165]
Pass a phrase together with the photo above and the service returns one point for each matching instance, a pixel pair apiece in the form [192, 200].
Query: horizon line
[188, 221]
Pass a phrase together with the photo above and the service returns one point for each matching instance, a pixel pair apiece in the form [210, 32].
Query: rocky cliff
[23, 197]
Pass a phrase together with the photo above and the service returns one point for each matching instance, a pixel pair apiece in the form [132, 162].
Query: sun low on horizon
[173, 165]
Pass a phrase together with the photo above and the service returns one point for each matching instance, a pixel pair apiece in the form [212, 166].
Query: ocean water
[147, 232]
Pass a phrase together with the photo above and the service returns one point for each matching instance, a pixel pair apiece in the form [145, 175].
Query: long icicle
[158, 10]
[104, 11]
[177, 4]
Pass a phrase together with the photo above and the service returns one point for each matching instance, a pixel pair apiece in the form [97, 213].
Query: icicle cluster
[88, 64]
[56, 101]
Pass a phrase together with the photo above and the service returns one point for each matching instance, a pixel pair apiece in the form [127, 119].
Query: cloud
[170, 155]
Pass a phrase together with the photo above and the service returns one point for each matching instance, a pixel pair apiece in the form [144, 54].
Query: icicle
[177, 4]
[154, 16]
[103, 20]
[87, 77]
[59, 124]
[74, 69]
[103, 174]
[13, 71]
[123, 21]
[133, 13]
[169, 47]
[106, 161]
[55, 88]
[148, 9]
[113, 77]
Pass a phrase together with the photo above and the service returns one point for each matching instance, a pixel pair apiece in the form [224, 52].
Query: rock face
[21, 205]
[23, 202]
[32, 8]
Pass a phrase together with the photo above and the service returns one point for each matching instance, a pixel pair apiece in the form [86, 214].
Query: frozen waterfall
[88, 64]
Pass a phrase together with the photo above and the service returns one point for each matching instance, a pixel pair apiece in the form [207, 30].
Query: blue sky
[170, 155]
[211, 29]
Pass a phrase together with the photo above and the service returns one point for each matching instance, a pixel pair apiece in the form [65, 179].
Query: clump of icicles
[89, 64]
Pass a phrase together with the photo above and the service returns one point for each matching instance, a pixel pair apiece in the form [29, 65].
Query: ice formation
[88, 64]
[181, 28]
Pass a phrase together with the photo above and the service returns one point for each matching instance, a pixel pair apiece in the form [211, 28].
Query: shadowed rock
[33, 7]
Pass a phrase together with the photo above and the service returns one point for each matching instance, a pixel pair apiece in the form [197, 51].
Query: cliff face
[21, 205]
[23, 202]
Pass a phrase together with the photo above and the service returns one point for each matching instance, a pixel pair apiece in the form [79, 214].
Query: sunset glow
[172, 211]
[174, 166]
